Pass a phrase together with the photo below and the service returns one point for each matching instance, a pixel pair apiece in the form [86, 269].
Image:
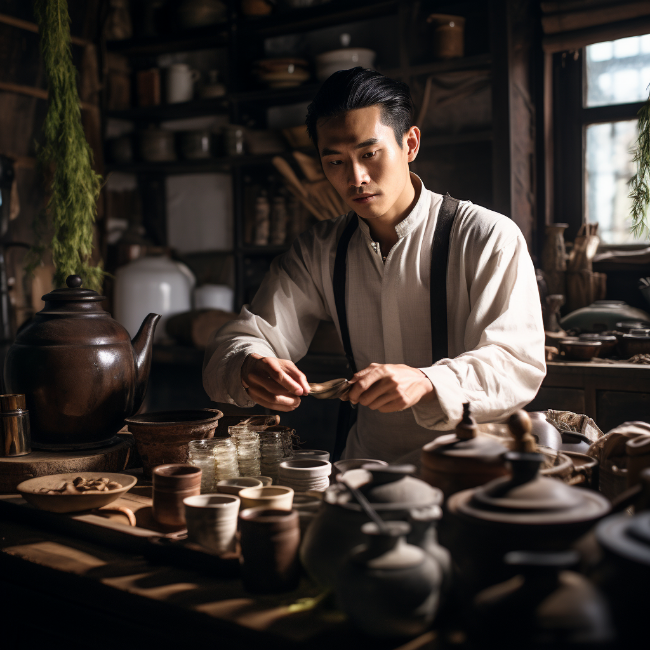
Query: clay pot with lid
[336, 529]
[546, 604]
[524, 511]
[79, 370]
[624, 572]
[463, 459]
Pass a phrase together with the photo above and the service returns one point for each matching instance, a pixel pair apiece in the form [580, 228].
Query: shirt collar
[412, 220]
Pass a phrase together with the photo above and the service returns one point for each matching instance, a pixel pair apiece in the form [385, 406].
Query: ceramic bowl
[349, 57]
[632, 344]
[311, 454]
[163, 437]
[579, 350]
[304, 469]
[276, 497]
[29, 490]
[266, 480]
[235, 485]
[608, 347]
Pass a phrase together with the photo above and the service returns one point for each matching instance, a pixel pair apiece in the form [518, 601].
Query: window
[601, 88]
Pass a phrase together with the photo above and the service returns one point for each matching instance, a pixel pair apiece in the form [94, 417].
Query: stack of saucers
[304, 475]
[311, 454]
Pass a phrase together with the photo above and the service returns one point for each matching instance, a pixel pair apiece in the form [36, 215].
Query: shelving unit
[243, 38]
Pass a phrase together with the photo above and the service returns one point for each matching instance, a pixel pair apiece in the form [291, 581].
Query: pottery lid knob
[74, 281]
[520, 426]
[466, 428]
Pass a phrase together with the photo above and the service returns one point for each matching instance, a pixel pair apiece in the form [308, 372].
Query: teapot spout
[142, 347]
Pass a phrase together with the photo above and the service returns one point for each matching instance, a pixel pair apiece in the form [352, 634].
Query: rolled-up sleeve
[504, 363]
[280, 322]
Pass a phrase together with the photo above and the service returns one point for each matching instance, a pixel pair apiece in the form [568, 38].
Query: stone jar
[78, 369]
[387, 587]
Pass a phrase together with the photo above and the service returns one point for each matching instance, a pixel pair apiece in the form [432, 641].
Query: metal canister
[15, 439]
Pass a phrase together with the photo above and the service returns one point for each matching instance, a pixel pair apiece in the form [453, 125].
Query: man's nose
[358, 175]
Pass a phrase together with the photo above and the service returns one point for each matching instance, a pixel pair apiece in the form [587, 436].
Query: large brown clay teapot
[78, 369]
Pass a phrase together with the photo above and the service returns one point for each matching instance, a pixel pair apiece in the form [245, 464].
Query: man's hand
[273, 383]
[389, 388]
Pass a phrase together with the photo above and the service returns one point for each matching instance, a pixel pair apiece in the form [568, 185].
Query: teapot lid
[457, 452]
[525, 497]
[73, 292]
[387, 487]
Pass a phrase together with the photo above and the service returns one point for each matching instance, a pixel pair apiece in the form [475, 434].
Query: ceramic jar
[180, 82]
[448, 36]
[510, 513]
[462, 460]
[78, 369]
[604, 315]
[387, 587]
[276, 497]
[155, 283]
[269, 547]
[172, 484]
[195, 145]
[304, 475]
[156, 145]
[336, 529]
[545, 606]
[212, 521]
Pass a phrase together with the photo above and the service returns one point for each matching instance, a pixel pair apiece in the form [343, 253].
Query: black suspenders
[438, 299]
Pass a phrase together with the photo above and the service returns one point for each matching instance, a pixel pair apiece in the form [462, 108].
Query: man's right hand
[273, 383]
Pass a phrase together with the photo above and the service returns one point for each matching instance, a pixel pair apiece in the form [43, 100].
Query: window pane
[609, 168]
[618, 72]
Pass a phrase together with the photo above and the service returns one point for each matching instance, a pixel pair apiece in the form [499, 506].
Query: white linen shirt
[495, 331]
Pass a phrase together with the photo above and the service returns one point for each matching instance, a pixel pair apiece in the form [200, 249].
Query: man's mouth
[364, 198]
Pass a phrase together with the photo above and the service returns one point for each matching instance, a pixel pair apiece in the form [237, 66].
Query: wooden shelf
[274, 96]
[218, 105]
[337, 12]
[202, 38]
[479, 62]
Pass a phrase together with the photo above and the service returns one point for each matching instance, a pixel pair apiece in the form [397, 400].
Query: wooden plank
[39, 93]
[33, 27]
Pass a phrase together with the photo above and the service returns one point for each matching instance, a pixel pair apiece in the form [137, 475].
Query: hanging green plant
[75, 187]
[640, 182]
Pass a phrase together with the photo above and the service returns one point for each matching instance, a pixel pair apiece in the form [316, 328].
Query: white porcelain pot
[348, 57]
[214, 296]
[152, 285]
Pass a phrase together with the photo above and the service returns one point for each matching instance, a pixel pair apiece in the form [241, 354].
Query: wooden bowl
[29, 490]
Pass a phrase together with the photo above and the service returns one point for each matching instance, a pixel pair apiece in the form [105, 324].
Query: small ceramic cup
[269, 545]
[276, 497]
[236, 485]
[212, 521]
[171, 484]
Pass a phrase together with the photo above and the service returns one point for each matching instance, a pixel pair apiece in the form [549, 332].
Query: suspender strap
[438, 282]
[340, 275]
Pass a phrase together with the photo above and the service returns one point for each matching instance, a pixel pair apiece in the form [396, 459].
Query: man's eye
[370, 154]
[335, 162]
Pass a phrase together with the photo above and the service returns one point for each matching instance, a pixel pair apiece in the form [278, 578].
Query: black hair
[347, 90]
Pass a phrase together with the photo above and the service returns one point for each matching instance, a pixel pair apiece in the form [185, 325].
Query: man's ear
[412, 140]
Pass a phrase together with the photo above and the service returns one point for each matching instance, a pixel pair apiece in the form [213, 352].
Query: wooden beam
[33, 27]
[39, 93]
[573, 20]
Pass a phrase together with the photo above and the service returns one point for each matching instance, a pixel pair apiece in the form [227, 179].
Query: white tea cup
[212, 521]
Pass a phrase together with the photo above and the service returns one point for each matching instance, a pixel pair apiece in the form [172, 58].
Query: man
[375, 274]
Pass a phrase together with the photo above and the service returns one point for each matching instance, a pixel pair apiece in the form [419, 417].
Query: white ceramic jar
[180, 82]
[156, 285]
[214, 296]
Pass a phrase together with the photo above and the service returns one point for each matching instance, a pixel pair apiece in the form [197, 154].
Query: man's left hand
[389, 388]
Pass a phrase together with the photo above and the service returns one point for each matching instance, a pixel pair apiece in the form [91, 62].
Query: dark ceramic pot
[172, 484]
[269, 545]
[78, 369]
[387, 587]
[545, 605]
[525, 511]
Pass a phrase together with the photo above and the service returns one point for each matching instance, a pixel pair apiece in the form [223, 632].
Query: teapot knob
[466, 428]
[520, 427]
[74, 281]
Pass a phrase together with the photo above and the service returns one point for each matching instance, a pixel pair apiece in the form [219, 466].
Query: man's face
[365, 164]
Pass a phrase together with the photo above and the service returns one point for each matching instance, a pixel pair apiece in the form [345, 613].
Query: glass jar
[201, 454]
[225, 459]
[248, 449]
[275, 447]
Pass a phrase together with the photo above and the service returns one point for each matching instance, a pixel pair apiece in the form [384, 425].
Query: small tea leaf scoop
[332, 389]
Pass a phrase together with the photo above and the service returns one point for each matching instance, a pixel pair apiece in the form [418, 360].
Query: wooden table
[59, 589]
[610, 393]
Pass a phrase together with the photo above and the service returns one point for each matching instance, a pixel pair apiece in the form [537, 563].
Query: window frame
[571, 118]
